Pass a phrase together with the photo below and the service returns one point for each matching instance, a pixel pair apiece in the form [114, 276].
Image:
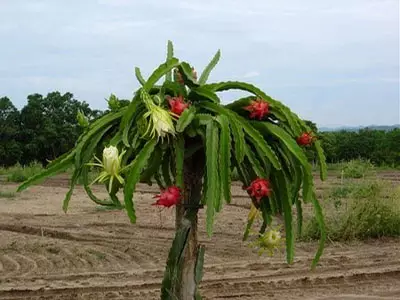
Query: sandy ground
[95, 254]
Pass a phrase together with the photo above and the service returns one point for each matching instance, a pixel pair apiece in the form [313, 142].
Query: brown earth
[96, 254]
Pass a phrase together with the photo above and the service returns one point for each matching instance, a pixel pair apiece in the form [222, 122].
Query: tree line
[381, 147]
[43, 129]
[47, 127]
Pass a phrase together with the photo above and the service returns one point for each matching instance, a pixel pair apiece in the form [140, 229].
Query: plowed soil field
[96, 254]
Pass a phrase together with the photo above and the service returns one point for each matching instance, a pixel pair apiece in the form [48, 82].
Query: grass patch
[7, 194]
[359, 210]
[19, 173]
[356, 163]
[357, 168]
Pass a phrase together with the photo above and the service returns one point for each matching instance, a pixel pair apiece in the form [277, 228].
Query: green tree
[393, 146]
[179, 134]
[378, 146]
[49, 127]
[330, 145]
[10, 148]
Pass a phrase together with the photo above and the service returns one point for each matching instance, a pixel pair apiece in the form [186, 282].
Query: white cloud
[251, 74]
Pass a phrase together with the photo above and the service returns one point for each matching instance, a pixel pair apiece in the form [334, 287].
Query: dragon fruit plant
[176, 132]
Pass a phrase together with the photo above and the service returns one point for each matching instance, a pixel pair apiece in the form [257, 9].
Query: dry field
[96, 254]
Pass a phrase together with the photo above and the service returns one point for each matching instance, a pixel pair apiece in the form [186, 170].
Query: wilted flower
[258, 109]
[259, 188]
[83, 121]
[270, 241]
[160, 121]
[111, 165]
[253, 213]
[113, 102]
[177, 104]
[305, 139]
[169, 197]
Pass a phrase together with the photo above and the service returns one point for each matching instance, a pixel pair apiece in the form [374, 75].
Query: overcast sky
[334, 62]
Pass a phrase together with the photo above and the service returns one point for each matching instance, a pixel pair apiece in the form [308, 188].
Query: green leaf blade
[134, 176]
[287, 213]
[50, 171]
[165, 168]
[255, 163]
[153, 166]
[238, 138]
[320, 220]
[186, 71]
[185, 119]
[286, 139]
[225, 157]
[321, 160]
[170, 55]
[199, 264]
[88, 190]
[261, 145]
[74, 180]
[211, 65]
[212, 179]
[129, 117]
[201, 93]
[179, 159]
[299, 210]
[159, 72]
[139, 76]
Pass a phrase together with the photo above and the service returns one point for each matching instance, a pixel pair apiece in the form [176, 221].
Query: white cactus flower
[111, 162]
[111, 165]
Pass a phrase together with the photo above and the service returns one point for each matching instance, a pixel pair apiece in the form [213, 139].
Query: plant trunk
[188, 287]
[184, 266]
[193, 174]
